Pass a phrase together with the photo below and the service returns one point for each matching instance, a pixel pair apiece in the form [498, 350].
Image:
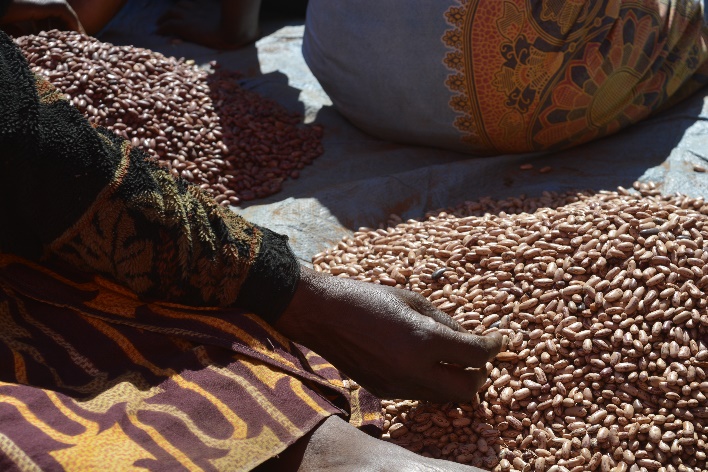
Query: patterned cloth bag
[489, 77]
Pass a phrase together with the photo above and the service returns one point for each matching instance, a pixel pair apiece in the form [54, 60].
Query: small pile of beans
[204, 127]
[603, 297]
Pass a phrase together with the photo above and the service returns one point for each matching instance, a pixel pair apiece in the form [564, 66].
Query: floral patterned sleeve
[82, 196]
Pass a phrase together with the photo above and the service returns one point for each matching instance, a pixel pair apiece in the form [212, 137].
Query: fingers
[424, 307]
[467, 350]
[456, 345]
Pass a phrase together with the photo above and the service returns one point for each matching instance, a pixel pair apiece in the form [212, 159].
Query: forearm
[393, 342]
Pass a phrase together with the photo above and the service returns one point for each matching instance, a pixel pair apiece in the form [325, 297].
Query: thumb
[468, 350]
[453, 383]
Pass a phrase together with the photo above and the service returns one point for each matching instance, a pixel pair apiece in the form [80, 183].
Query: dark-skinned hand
[57, 12]
[391, 341]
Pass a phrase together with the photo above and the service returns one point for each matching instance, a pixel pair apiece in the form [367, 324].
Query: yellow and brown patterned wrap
[537, 75]
[91, 377]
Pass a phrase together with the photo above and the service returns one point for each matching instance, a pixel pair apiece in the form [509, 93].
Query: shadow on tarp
[618, 160]
[136, 25]
[361, 179]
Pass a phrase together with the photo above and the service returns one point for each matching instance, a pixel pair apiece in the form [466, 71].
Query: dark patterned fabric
[106, 209]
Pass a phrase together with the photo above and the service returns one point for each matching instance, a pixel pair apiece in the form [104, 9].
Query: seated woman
[490, 77]
[142, 325]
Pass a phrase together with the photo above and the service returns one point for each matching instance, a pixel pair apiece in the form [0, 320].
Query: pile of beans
[204, 127]
[603, 299]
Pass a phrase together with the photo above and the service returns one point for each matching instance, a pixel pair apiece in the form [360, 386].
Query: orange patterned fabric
[550, 74]
[92, 378]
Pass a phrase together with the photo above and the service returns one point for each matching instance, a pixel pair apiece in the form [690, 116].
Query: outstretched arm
[393, 342]
[83, 196]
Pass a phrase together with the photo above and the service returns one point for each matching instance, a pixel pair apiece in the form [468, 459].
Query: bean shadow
[253, 171]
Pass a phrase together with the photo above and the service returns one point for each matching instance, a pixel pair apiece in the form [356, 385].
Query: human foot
[337, 446]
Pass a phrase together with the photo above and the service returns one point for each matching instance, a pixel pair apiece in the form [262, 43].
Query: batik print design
[46, 92]
[544, 75]
[91, 376]
[152, 233]
[161, 237]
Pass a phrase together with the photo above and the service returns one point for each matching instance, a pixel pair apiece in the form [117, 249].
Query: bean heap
[204, 127]
[603, 299]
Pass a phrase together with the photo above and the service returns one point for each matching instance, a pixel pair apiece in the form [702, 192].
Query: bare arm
[393, 342]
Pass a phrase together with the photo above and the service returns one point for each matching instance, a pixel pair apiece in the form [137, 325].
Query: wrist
[272, 278]
[299, 321]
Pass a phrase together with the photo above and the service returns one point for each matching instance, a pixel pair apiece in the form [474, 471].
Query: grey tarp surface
[360, 181]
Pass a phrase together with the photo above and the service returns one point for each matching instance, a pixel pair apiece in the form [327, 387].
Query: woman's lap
[89, 373]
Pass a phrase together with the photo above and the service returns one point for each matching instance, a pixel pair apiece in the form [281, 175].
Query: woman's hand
[40, 10]
[391, 341]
